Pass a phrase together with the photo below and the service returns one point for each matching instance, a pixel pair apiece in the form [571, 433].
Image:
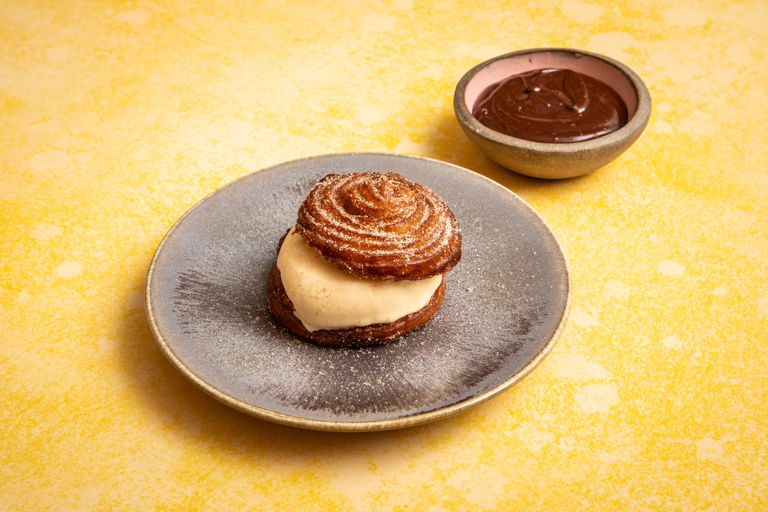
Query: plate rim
[340, 425]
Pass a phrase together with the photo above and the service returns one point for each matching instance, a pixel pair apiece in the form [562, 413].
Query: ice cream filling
[326, 297]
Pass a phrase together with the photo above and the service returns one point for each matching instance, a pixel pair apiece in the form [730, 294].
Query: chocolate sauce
[551, 105]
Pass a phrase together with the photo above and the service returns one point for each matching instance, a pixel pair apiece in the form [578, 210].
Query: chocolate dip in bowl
[552, 112]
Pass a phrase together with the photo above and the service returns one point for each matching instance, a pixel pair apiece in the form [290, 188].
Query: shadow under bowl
[553, 160]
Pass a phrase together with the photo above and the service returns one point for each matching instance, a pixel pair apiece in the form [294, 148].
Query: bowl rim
[633, 127]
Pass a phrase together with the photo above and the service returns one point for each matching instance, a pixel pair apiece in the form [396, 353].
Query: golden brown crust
[380, 225]
[282, 309]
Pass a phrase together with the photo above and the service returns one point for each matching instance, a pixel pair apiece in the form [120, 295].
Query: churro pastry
[365, 262]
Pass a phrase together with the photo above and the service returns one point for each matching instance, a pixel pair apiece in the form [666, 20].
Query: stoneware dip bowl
[553, 160]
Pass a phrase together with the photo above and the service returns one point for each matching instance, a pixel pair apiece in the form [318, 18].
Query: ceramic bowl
[553, 160]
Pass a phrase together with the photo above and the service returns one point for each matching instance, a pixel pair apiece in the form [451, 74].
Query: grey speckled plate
[505, 305]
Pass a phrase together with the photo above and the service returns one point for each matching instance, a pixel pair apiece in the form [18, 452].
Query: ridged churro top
[380, 225]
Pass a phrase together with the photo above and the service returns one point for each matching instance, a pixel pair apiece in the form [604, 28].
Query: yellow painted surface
[115, 117]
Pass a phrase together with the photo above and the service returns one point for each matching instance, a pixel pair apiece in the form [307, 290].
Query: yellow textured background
[118, 116]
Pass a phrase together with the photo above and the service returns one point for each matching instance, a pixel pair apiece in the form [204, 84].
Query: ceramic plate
[504, 306]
